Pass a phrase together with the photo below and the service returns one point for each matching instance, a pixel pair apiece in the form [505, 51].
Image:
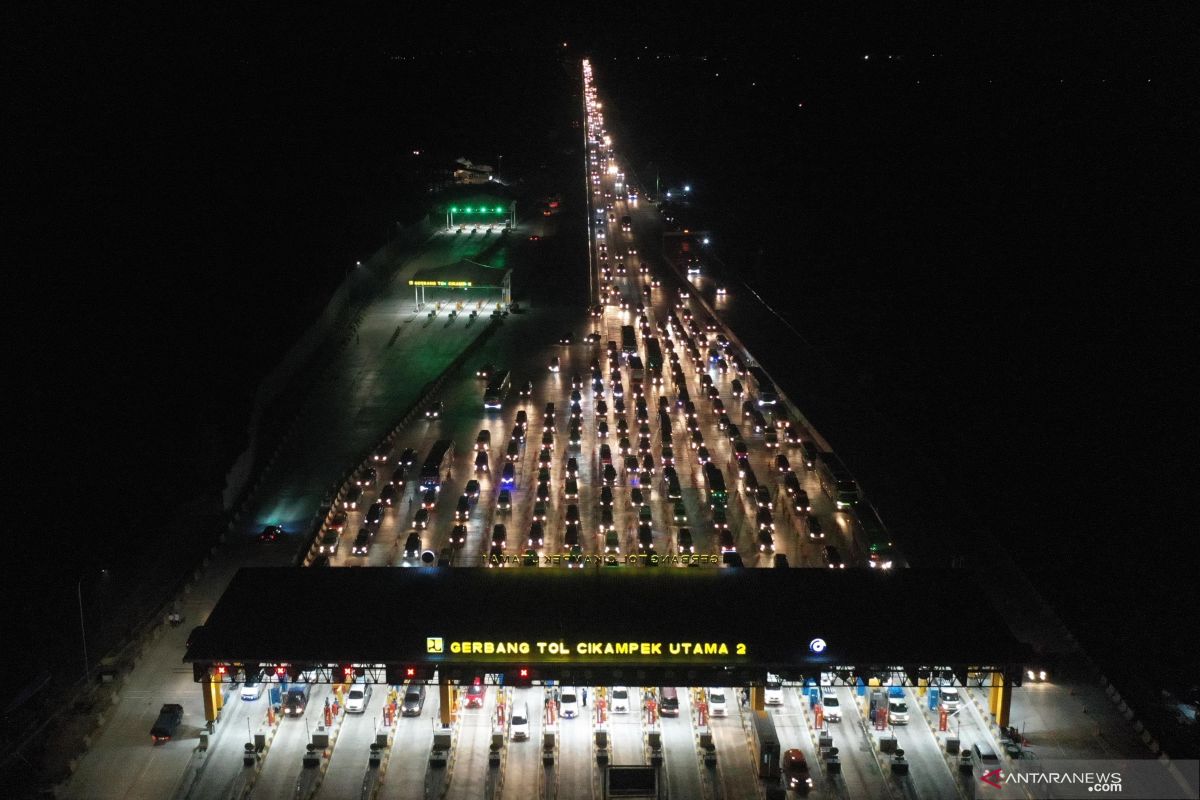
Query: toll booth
[630, 783]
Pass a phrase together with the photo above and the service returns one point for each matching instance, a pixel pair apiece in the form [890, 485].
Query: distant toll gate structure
[606, 625]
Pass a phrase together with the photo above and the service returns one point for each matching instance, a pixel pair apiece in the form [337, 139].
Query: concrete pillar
[756, 698]
[212, 698]
[994, 693]
[444, 701]
[1004, 707]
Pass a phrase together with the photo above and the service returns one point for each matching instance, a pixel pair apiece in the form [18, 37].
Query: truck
[296, 700]
[169, 717]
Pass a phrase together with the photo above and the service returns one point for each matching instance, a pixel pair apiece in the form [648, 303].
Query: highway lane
[348, 763]
[680, 760]
[522, 769]
[860, 776]
[794, 731]
[223, 763]
[408, 765]
[283, 762]
[576, 763]
[737, 777]
[625, 732]
[471, 771]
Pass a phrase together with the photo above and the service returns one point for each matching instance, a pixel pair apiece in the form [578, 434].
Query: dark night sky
[184, 190]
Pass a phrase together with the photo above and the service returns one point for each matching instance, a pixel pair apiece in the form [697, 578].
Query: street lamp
[87, 668]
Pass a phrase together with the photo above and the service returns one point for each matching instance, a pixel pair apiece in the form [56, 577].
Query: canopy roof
[464, 274]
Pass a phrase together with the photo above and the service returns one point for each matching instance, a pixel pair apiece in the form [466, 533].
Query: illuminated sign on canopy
[452, 284]
[585, 650]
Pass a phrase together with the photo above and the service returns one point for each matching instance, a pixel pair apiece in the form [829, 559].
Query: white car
[833, 709]
[357, 698]
[949, 698]
[569, 704]
[620, 700]
[252, 689]
[773, 693]
[519, 722]
[897, 711]
[716, 703]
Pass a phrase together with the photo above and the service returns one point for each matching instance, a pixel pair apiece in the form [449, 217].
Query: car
[680, 512]
[463, 509]
[568, 704]
[421, 519]
[795, 771]
[612, 542]
[771, 439]
[434, 411]
[813, 525]
[458, 536]
[897, 711]
[717, 706]
[766, 541]
[397, 480]
[781, 464]
[543, 492]
[374, 514]
[329, 542]
[271, 534]
[762, 498]
[412, 545]
[527, 389]
[571, 536]
[499, 536]
[484, 440]
[481, 461]
[572, 515]
[408, 457]
[388, 496]
[429, 499]
[833, 558]
[554, 364]
[509, 474]
[414, 700]
[620, 700]
[167, 722]
[252, 689]
[575, 558]
[606, 518]
[702, 455]
[725, 540]
[362, 543]
[504, 502]
[382, 452]
[485, 371]
[948, 698]
[830, 705]
[567, 338]
[357, 698]
[366, 478]
[645, 536]
[537, 536]
[644, 515]
[609, 475]
[475, 695]
[539, 512]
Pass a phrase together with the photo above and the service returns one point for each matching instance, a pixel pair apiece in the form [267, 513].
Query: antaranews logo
[993, 778]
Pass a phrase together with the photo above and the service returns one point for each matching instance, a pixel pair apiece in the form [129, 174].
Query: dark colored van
[669, 701]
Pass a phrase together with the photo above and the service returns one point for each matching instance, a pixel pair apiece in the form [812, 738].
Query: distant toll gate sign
[449, 284]
[586, 650]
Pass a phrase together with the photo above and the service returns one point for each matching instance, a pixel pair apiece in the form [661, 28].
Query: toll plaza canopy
[465, 274]
[608, 624]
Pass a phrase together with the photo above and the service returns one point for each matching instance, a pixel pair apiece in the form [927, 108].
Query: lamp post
[87, 667]
[82, 630]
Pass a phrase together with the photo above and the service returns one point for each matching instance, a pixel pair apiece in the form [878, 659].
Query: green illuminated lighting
[499, 209]
[453, 209]
[467, 209]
